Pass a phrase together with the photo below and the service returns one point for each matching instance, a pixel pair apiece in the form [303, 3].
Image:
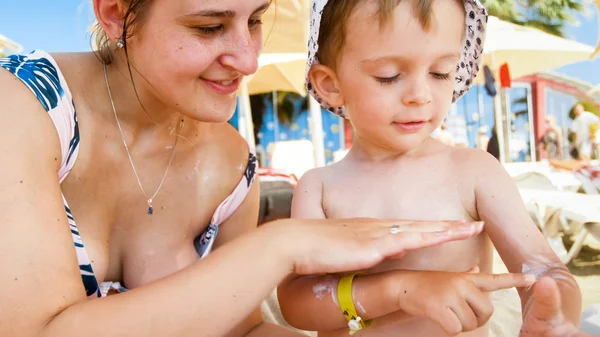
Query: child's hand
[456, 301]
[544, 318]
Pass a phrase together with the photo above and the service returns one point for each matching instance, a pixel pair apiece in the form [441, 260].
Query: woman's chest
[122, 240]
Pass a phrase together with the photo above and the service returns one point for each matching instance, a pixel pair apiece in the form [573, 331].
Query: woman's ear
[324, 81]
[109, 14]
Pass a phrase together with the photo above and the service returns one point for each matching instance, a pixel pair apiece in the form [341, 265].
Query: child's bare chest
[426, 196]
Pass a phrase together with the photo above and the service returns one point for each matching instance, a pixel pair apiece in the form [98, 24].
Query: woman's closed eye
[210, 30]
[255, 23]
[215, 29]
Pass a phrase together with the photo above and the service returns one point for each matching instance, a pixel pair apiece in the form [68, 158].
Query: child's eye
[388, 80]
[209, 30]
[439, 76]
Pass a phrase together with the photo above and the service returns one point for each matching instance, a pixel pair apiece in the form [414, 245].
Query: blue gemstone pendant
[150, 208]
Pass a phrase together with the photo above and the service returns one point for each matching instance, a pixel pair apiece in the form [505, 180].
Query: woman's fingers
[396, 242]
[428, 226]
[349, 244]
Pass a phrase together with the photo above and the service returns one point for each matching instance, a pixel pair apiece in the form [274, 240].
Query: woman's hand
[338, 245]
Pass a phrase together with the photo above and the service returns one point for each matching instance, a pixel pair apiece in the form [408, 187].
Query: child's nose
[418, 94]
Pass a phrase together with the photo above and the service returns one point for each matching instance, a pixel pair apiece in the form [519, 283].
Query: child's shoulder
[474, 163]
[468, 156]
[312, 178]
[319, 177]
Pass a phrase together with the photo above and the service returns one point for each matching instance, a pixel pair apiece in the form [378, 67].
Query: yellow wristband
[346, 302]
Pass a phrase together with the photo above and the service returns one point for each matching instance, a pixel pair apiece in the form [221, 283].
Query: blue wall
[273, 130]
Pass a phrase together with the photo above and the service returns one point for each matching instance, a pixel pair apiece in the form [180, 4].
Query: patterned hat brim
[467, 67]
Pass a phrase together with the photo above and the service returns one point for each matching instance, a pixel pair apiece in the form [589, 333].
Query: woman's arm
[208, 298]
[39, 275]
[242, 221]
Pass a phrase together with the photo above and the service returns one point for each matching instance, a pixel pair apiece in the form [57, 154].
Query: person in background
[493, 146]
[482, 138]
[582, 130]
[552, 140]
[444, 136]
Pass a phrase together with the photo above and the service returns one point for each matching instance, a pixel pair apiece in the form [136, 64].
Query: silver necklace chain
[149, 199]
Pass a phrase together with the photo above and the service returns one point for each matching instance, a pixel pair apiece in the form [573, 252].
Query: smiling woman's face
[193, 54]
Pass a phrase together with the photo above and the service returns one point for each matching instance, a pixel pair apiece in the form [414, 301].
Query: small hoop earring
[120, 43]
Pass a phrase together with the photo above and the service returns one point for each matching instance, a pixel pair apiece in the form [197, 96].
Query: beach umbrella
[7, 46]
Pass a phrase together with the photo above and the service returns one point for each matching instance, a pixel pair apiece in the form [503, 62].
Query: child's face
[397, 82]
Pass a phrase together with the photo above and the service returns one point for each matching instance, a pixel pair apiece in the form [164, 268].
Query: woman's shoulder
[28, 128]
[39, 73]
[232, 141]
[230, 152]
[36, 80]
[44, 75]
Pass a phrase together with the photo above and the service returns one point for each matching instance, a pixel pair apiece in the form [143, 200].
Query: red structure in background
[542, 81]
[505, 79]
[347, 134]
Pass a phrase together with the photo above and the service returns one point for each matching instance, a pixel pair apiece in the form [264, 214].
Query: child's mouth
[409, 127]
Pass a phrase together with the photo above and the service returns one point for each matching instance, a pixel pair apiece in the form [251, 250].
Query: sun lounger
[590, 320]
[582, 209]
[561, 179]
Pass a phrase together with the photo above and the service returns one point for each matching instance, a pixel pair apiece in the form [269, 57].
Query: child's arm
[310, 302]
[519, 242]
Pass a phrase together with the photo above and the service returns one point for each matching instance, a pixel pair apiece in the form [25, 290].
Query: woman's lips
[224, 87]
